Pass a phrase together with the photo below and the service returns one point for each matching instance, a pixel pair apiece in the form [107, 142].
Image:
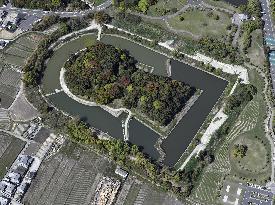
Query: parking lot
[257, 195]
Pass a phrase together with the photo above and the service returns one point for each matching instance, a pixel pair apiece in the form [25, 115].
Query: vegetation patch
[202, 22]
[18, 51]
[50, 4]
[253, 155]
[166, 7]
[104, 73]
[10, 148]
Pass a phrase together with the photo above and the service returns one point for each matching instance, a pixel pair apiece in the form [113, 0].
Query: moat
[179, 139]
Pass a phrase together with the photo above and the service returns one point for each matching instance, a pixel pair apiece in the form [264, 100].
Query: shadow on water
[144, 137]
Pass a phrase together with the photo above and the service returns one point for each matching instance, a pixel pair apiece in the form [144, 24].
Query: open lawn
[10, 147]
[258, 151]
[202, 22]
[165, 7]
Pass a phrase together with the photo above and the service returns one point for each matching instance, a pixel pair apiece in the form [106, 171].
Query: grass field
[200, 23]
[256, 52]
[258, 151]
[10, 147]
[165, 7]
[248, 125]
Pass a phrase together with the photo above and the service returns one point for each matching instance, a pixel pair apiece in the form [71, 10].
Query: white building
[25, 161]
[4, 201]
[7, 189]
[238, 19]
[121, 172]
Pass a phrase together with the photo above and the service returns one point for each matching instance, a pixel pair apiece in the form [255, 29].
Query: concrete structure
[106, 191]
[121, 172]
[7, 189]
[25, 161]
[238, 19]
[4, 201]
[14, 178]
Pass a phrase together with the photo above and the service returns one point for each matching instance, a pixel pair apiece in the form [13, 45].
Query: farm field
[144, 194]
[19, 50]
[4, 119]
[248, 125]
[10, 147]
[9, 86]
[69, 177]
[13, 57]
[202, 22]
[21, 109]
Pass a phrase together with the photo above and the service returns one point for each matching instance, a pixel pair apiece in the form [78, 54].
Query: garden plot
[10, 78]
[70, 177]
[4, 120]
[10, 150]
[142, 193]
[9, 86]
[18, 51]
[14, 51]
[21, 109]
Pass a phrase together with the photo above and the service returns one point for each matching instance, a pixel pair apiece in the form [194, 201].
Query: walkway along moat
[180, 137]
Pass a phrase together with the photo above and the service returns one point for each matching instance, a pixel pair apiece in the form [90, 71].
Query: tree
[102, 18]
[56, 3]
[239, 151]
[143, 5]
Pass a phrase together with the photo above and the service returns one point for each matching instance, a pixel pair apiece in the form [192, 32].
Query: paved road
[269, 32]
[41, 13]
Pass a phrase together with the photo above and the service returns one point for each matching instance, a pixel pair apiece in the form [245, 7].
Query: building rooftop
[4, 201]
[121, 172]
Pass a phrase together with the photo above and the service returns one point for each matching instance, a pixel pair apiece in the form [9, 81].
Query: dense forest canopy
[104, 73]
[50, 4]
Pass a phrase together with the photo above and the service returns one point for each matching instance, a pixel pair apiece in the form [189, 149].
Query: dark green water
[181, 136]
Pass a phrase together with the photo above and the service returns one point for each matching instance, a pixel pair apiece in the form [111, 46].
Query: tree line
[131, 157]
[219, 50]
[33, 69]
[50, 4]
